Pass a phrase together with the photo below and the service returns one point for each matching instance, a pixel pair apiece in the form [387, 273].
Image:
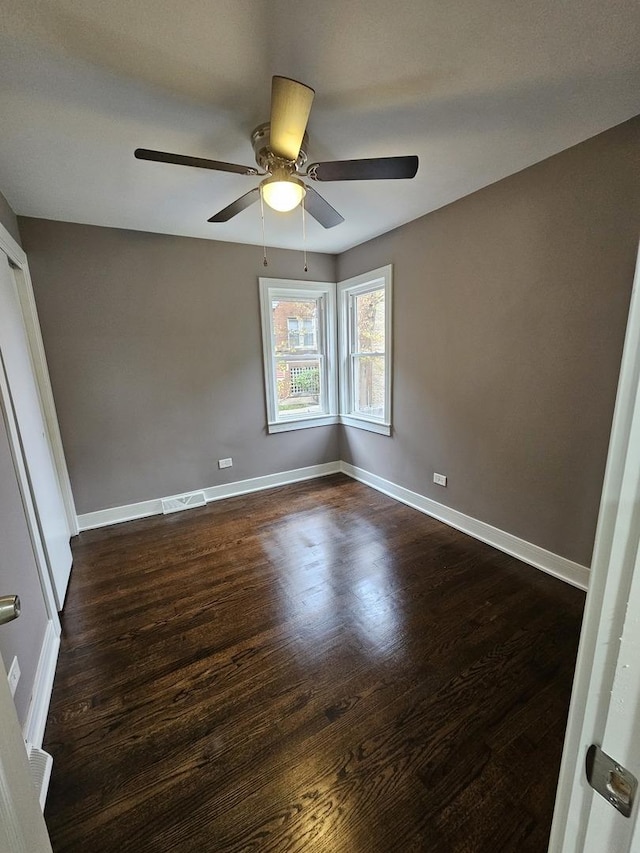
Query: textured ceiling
[479, 89]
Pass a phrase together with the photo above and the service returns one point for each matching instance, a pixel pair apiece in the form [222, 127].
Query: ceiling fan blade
[321, 210]
[236, 206]
[290, 107]
[198, 162]
[375, 169]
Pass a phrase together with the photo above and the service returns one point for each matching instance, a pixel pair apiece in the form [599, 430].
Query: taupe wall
[509, 315]
[154, 349]
[8, 218]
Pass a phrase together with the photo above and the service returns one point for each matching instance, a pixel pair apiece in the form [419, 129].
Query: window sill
[370, 426]
[302, 423]
[326, 420]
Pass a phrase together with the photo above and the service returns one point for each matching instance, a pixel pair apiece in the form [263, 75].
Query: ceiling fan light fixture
[280, 148]
[283, 194]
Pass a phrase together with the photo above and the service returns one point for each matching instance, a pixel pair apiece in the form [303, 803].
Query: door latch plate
[611, 780]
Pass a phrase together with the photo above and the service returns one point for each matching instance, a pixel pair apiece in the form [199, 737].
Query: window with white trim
[304, 361]
[299, 340]
[365, 350]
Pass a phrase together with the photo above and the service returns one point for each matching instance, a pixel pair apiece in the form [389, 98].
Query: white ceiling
[479, 89]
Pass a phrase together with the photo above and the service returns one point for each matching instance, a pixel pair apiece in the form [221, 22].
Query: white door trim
[612, 571]
[18, 259]
[6, 406]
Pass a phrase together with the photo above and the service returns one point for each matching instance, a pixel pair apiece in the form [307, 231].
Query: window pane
[368, 385]
[369, 321]
[299, 386]
[309, 332]
[295, 325]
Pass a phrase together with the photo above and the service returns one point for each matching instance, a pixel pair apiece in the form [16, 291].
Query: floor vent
[40, 764]
[180, 502]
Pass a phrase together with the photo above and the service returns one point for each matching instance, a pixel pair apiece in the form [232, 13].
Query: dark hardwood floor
[314, 668]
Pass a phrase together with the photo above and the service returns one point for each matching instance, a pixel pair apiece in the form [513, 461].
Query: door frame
[595, 690]
[18, 260]
[17, 796]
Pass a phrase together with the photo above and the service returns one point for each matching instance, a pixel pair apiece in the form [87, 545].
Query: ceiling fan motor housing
[270, 162]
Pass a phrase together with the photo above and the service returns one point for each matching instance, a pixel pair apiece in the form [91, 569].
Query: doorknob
[9, 608]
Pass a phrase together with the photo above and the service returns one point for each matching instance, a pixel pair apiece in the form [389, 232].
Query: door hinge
[611, 780]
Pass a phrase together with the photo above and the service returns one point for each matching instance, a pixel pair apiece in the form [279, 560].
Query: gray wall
[154, 349]
[509, 316]
[8, 218]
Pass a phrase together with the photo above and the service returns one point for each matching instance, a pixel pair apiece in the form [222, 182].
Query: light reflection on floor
[308, 550]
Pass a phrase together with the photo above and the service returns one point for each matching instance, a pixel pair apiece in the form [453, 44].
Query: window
[365, 350]
[298, 334]
[303, 362]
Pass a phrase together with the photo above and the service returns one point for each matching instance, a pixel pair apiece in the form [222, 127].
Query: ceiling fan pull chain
[304, 236]
[265, 263]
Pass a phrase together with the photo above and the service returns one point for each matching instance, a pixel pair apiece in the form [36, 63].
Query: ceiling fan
[280, 148]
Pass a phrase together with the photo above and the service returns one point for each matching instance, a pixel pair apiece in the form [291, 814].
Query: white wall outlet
[225, 463]
[440, 479]
[14, 676]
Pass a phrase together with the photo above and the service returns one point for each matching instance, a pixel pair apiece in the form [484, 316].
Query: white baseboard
[534, 555]
[116, 514]
[573, 573]
[270, 481]
[129, 512]
[33, 730]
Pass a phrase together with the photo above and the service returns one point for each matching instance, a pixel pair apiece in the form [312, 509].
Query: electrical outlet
[440, 479]
[14, 676]
[225, 463]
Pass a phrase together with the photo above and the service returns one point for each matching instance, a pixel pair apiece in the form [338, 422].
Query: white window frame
[289, 289]
[379, 279]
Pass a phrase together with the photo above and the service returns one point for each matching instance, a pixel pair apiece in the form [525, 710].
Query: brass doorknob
[9, 608]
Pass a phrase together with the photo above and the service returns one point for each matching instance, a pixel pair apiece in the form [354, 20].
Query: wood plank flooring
[312, 669]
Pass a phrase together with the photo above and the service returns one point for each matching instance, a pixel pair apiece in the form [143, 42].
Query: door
[22, 827]
[33, 434]
[605, 704]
